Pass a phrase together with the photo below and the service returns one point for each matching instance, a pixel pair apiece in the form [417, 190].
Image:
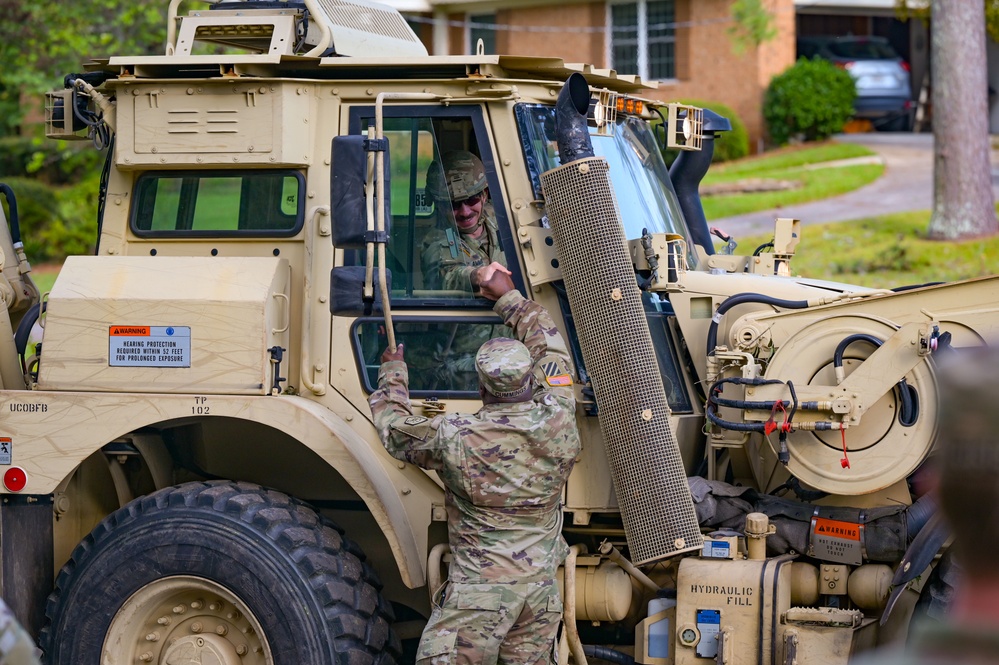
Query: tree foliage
[754, 24]
[43, 40]
[920, 9]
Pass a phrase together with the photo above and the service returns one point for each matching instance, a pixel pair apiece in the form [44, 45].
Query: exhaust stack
[649, 478]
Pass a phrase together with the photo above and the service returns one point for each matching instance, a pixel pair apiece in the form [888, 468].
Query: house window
[643, 38]
[481, 27]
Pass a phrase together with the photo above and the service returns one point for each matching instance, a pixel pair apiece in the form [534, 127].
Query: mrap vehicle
[190, 472]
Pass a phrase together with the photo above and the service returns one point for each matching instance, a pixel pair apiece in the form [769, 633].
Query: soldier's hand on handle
[494, 281]
[389, 355]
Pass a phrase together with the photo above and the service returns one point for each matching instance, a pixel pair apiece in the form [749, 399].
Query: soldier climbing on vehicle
[504, 469]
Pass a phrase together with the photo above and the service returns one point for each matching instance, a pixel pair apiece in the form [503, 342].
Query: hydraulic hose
[908, 398]
[742, 298]
[610, 655]
[15, 226]
[919, 513]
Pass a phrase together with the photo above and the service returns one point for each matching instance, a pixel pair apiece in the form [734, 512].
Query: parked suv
[884, 95]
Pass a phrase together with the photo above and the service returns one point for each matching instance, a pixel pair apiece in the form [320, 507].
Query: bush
[728, 145]
[53, 162]
[55, 222]
[812, 100]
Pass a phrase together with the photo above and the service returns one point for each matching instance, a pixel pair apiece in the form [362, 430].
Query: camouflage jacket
[449, 258]
[503, 467]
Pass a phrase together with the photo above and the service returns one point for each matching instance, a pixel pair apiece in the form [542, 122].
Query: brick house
[683, 44]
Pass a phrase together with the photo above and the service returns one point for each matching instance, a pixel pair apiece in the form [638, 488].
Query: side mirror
[347, 292]
[348, 211]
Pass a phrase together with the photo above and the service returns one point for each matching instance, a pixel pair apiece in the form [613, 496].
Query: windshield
[639, 177]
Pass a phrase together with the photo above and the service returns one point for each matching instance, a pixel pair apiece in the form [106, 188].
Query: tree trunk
[963, 203]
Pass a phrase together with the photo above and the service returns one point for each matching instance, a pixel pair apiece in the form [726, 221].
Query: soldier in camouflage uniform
[967, 464]
[457, 183]
[503, 469]
[16, 646]
[466, 239]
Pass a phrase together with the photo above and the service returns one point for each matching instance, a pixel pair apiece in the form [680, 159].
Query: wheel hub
[185, 620]
[201, 650]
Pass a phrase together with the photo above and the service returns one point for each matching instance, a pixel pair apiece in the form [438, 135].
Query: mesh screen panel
[646, 467]
[366, 18]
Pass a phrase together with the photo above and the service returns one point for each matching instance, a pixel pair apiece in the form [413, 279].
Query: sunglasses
[471, 201]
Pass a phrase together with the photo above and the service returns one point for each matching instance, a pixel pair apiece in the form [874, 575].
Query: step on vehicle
[190, 472]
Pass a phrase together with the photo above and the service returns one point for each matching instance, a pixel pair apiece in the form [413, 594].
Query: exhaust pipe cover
[649, 478]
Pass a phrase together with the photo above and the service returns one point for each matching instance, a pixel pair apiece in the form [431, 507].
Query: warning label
[6, 451]
[149, 346]
[834, 540]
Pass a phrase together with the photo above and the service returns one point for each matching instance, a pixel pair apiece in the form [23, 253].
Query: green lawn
[785, 158]
[44, 276]
[886, 252]
[786, 165]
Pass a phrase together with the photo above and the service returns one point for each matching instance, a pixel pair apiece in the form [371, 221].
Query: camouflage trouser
[493, 623]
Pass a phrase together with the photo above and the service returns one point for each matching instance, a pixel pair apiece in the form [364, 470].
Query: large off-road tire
[220, 572]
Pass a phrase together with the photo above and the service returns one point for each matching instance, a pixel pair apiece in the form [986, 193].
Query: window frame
[642, 30]
[417, 393]
[357, 113]
[222, 173]
[470, 40]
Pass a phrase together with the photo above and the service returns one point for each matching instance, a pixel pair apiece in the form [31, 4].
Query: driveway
[907, 184]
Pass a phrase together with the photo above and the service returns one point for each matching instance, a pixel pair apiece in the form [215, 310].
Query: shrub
[728, 145]
[53, 162]
[55, 222]
[813, 99]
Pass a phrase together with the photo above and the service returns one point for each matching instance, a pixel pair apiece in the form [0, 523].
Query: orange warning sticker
[130, 331]
[836, 529]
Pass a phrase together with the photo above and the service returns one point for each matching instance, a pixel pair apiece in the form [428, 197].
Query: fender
[53, 432]
[969, 310]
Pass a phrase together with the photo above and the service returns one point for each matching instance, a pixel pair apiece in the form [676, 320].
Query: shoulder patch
[415, 427]
[554, 371]
[559, 380]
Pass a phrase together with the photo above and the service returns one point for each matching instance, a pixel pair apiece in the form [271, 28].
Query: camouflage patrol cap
[461, 177]
[504, 367]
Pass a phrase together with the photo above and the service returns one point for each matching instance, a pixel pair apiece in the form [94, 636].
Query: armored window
[643, 38]
[429, 257]
[218, 204]
[440, 353]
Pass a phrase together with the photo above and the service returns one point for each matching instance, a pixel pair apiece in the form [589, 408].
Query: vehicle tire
[222, 572]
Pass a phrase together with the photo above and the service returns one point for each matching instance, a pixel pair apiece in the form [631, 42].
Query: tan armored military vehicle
[190, 473]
